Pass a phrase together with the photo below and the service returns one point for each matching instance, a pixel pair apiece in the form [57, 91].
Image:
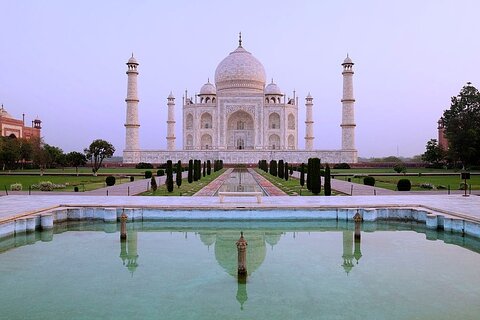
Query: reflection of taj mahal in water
[240, 119]
[225, 251]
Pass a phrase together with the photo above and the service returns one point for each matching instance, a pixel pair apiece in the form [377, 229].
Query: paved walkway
[14, 206]
[270, 189]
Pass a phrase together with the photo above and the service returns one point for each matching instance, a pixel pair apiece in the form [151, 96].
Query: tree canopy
[462, 126]
[97, 151]
[434, 155]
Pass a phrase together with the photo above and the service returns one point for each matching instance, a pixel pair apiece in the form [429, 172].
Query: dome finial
[239, 39]
[208, 80]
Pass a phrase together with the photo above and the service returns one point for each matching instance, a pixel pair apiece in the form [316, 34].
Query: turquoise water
[181, 270]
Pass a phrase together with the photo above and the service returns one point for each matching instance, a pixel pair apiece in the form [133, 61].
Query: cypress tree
[169, 180]
[273, 168]
[291, 169]
[204, 169]
[195, 170]
[178, 177]
[209, 167]
[327, 184]
[302, 174]
[153, 184]
[281, 169]
[309, 170]
[286, 171]
[315, 182]
[190, 171]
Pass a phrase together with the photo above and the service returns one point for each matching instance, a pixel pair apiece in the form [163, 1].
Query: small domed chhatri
[4, 113]
[132, 60]
[239, 118]
[208, 88]
[273, 89]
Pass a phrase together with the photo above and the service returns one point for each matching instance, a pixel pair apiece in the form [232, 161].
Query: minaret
[348, 112]
[132, 125]
[171, 123]
[309, 123]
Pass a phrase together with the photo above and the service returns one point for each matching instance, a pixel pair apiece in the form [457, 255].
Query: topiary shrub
[404, 185]
[16, 187]
[342, 165]
[132, 178]
[110, 181]
[400, 168]
[45, 186]
[369, 181]
[148, 174]
[160, 172]
[75, 189]
[144, 165]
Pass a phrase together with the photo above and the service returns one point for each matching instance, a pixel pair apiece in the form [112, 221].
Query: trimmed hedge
[148, 174]
[369, 181]
[404, 185]
[110, 181]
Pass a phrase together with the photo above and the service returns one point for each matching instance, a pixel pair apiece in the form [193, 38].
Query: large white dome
[240, 70]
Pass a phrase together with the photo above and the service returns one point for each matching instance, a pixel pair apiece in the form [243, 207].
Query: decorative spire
[239, 39]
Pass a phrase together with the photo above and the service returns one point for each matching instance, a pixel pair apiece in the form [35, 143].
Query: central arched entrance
[240, 131]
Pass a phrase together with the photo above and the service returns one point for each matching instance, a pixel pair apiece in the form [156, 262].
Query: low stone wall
[239, 156]
[46, 220]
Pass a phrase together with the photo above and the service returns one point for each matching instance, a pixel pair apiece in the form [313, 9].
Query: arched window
[291, 142]
[291, 121]
[274, 121]
[189, 122]
[240, 125]
[206, 120]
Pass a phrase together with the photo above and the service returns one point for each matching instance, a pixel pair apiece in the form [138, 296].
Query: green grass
[88, 170]
[391, 171]
[186, 189]
[84, 183]
[291, 187]
[390, 182]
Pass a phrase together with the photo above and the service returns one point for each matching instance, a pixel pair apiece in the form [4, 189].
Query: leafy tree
[327, 184]
[400, 167]
[178, 177]
[56, 157]
[462, 126]
[9, 152]
[75, 159]
[97, 151]
[434, 154]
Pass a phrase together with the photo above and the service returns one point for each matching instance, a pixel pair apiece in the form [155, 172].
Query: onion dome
[4, 113]
[272, 88]
[240, 70]
[132, 60]
[347, 60]
[208, 89]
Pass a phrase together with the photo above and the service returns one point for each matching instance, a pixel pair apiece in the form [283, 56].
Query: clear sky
[65, 62]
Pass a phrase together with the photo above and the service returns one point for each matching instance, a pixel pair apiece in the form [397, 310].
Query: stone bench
[224, 194]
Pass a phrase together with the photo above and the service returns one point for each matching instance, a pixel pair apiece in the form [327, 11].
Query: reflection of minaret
[347, 251]
[131, 251]
[358, 253]
[242, 295]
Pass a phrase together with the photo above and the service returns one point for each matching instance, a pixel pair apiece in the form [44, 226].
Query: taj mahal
[240, 119]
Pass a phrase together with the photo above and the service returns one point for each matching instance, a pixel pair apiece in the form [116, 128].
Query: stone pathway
[211, 188]
[269, 188]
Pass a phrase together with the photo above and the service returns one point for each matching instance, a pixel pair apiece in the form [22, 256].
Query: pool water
[182, 270]
[240, 180]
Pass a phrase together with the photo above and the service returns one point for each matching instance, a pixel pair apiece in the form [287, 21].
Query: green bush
[160, 172]
[369, 181]
[400, 168]
[273, 168]
[144, 165]
[342, 165]
[75, 189]
[16, 187]
[132, 178]
[404, 185]
[148, 174]
[110, 180]
[45, 186]
[153, 184]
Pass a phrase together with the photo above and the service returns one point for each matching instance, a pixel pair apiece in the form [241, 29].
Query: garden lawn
[84, 183]
[186, 189]
[390, 182]
[291, 187]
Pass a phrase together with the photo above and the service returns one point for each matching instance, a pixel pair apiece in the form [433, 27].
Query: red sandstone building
[442, 139]
[11, 127]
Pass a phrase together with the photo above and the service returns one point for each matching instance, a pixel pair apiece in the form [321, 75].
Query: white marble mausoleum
[240, 119]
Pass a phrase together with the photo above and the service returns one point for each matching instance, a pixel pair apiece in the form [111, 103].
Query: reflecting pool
[188, 270]
[240, 180]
